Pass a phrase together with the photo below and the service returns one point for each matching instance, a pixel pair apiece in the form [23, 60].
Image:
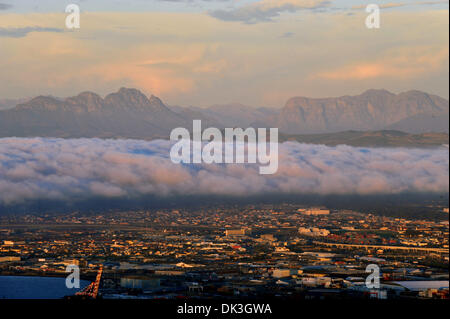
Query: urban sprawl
[255, 251]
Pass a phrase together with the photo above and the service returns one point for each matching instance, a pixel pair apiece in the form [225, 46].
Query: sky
[204, 52]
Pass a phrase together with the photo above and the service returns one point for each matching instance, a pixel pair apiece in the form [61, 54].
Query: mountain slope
[127, 113]
[372, 138]
[372, 110]
[422, 123]
[228, 115]
[10, 103]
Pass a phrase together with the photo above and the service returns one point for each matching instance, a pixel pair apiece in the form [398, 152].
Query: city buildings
[250, 251]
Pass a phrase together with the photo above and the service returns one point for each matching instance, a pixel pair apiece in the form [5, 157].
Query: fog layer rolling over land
[73, 169]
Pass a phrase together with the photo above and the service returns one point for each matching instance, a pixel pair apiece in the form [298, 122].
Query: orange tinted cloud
[194, 59]
[159, 81]
[160, 69]
[397, 65]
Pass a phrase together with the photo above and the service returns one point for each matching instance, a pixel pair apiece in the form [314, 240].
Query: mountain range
[412, 112]
[128, 113]
[124, 114]
[10, 103]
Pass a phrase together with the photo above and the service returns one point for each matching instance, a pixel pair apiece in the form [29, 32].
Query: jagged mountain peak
[87, 100]
[133, 98]
[124, 98]
[371, 110]
[377, 92]
[88, 96]
[124, 113]
[127, 97]
[40, 102]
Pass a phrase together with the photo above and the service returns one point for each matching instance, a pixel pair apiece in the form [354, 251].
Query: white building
[314, 211]
[313, 232]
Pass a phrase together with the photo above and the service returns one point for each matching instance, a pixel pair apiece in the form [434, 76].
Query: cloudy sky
[201, 52]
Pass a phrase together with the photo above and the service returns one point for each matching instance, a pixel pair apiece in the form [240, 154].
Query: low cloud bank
[72, 169]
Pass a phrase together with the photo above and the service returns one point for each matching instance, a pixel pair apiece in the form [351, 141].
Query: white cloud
[44, 168]
[404, 4]
[23, 32]
[266, 10]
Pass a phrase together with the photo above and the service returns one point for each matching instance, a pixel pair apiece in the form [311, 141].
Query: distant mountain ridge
[228, 115]
[128, 113]
[371, 110]
[10, 103]
[384, 138]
